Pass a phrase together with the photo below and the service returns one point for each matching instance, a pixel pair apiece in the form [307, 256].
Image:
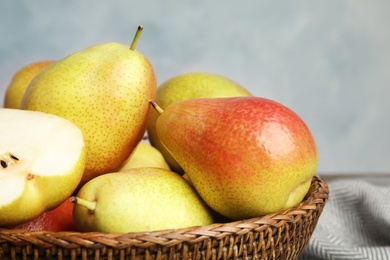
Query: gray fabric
[355, 223]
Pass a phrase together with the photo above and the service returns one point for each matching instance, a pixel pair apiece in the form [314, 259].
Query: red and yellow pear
[188, 86]
[246, 156]
[57, 220]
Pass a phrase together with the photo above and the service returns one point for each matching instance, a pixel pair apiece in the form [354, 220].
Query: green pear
[144, 155]
[246, 156]
[139, 200]
[105, 90]
[20, 81]
[187, 86]
[42, 160]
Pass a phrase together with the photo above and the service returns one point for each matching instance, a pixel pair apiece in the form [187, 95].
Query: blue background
[327, 60]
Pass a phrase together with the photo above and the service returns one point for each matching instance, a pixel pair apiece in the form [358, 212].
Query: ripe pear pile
[74, 129]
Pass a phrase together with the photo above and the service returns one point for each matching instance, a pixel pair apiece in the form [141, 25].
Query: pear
[139, 200]
[57, 220]
[186, 86]
[20, 81]
[145, 155]
[245, 156]
[42, 160]
[104, 90]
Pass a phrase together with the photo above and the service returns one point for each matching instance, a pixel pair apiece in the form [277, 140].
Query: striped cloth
[355, 223]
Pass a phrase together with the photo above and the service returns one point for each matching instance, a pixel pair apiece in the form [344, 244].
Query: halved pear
[42, 160]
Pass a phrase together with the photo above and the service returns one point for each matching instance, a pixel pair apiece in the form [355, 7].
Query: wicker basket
[283, 235]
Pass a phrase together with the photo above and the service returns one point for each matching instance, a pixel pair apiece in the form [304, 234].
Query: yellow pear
[140, 200]
[42, 160]
[188, 86]
[144, 155]
[105, 90]
[20, 81]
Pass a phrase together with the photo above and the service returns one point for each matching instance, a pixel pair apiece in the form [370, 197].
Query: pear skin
[246, 156]
[186, 86]
[104, 90]
[139, 200]
[57, 220]
[145, 155]
[21, 80]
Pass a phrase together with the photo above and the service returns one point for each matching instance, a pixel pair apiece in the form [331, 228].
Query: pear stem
[90, 205]
[136, 37]
[155, 106]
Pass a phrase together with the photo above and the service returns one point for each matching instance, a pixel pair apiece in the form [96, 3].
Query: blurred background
[329, 61]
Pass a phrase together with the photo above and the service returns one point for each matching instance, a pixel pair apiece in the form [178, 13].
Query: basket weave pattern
[282, 235]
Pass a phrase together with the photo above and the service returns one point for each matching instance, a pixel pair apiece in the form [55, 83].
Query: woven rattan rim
[282, 235]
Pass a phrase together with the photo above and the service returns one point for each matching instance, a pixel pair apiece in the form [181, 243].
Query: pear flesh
[246, 156]
[139, 200]
[104, 90]
[42, 161]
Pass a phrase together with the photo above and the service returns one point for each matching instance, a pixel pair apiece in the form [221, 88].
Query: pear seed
[14, 157]
[7, 159]
[3, 164]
